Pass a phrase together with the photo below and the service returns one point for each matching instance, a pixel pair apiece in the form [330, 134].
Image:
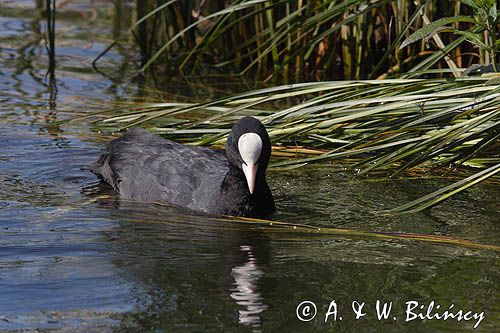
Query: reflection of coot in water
[246, 291]
[142, 166]
[195, 272]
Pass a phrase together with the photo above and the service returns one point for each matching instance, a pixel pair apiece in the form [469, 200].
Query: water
[73, 257]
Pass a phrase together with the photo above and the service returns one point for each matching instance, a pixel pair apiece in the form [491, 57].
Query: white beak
[250, 172]
[250, 147]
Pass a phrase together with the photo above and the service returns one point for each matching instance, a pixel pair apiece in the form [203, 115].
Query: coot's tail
[102, 169]
[105, 167]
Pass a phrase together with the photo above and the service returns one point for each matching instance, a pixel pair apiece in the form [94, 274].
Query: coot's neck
[236, 198]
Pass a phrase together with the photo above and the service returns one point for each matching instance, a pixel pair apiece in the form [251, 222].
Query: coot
[145, 167]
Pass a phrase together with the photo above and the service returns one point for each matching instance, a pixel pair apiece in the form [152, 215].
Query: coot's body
[144, 167]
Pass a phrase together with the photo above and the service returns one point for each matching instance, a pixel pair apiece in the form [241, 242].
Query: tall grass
[300, 40]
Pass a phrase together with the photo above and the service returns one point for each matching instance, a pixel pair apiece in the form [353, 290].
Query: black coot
[144, 167]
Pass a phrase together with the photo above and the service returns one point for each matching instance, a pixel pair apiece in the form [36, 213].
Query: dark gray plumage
[144, 167]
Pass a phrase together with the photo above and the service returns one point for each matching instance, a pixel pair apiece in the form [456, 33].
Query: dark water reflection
[75, 258]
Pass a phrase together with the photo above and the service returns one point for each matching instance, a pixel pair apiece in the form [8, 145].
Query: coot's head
[248, 148]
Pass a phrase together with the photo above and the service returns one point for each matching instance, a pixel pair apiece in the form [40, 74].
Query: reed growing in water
[300, 40]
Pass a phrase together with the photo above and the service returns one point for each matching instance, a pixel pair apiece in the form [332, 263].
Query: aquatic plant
[293, 41]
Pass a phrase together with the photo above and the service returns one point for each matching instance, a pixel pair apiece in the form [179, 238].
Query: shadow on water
[74, 257]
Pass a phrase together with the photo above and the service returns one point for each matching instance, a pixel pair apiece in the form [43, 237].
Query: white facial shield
[250, 147]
